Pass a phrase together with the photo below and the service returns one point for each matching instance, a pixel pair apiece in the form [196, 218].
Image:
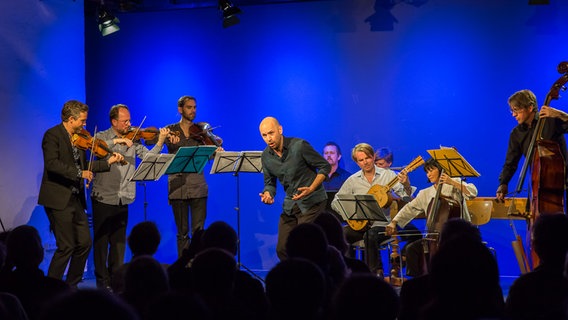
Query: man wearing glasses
[112, 192]
[523, 107]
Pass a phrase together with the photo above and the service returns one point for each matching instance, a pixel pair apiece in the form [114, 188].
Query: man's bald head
[271, 132]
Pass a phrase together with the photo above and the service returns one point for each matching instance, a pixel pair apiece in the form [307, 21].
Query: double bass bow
[548, 176]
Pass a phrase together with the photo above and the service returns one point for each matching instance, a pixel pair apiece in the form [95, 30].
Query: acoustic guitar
[383, 194]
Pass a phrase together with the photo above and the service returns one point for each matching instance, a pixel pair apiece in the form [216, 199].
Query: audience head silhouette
[144, 238]
[220, 234]
[308, 241]
[333, 230]
[550, 237]
[213, 271]
[295, 289]
[88, 304]
[365, 296]
[24, 249]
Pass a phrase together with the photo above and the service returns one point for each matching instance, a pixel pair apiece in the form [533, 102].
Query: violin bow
[92, 154]
[139, 127]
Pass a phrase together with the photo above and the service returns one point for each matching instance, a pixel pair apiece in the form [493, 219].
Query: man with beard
[332, 153]
[186, 191]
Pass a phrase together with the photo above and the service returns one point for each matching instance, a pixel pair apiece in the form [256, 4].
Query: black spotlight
[107, 22]
[229, 12]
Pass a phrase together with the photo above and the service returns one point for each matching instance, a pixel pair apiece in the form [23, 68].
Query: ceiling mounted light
[229, 12]
[108, 23]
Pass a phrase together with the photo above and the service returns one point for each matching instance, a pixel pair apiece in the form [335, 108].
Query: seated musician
[452, 188]
[359, 183]
[384, 158]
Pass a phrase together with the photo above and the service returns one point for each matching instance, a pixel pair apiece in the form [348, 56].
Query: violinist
[62, 191]
[112, 192]
[452, 188]
[523, 107]
[187, 192]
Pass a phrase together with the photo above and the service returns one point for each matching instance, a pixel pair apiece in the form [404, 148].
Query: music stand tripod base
[236, 162]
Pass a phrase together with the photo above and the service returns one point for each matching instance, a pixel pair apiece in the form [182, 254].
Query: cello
[440, 210]
[548, 167]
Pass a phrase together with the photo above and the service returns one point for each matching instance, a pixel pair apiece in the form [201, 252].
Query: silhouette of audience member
[416, 292]
[213, 273]
[178, 272]
[220, 235]
[178, 306]
[542, 293]
[464, 281]
[11, 308]
[248, 291]
[333, 230]
[3, 236]
[365, 296]
[88, 304]
[296, 289]
[144, 281]
[22, 276]
[308, 241]
[144, 239]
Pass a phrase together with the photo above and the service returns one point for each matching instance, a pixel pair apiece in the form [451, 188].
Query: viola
[202, 132]
[84, 141]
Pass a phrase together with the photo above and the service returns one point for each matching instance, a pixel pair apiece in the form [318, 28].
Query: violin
[85, 141]
[137, 133]
[202, 132]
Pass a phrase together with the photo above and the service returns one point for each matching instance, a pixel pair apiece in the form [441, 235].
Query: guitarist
[383, 159]
[359, 183]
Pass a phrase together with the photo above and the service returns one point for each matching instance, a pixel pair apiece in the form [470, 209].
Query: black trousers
[70, 227]
[374, 238]
[181, 209]
[288, 222]
[109, 233]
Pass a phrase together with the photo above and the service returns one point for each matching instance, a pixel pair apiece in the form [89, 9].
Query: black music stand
[152, 167]
[236, 162]
[361, 207]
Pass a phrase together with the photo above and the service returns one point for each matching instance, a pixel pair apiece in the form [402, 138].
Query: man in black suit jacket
[62, 191]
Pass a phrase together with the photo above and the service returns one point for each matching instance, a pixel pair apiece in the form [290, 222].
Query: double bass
[548, 177]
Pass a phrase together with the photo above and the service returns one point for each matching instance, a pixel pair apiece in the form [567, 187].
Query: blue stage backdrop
[425, 75]
[413, 77]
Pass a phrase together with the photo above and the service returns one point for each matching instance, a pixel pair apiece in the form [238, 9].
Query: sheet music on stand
[152, 167]
[453, 163]
[190, 159]
[237, 161]
[361, 207]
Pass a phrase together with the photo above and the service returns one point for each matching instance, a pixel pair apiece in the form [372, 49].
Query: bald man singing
[301, 171]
